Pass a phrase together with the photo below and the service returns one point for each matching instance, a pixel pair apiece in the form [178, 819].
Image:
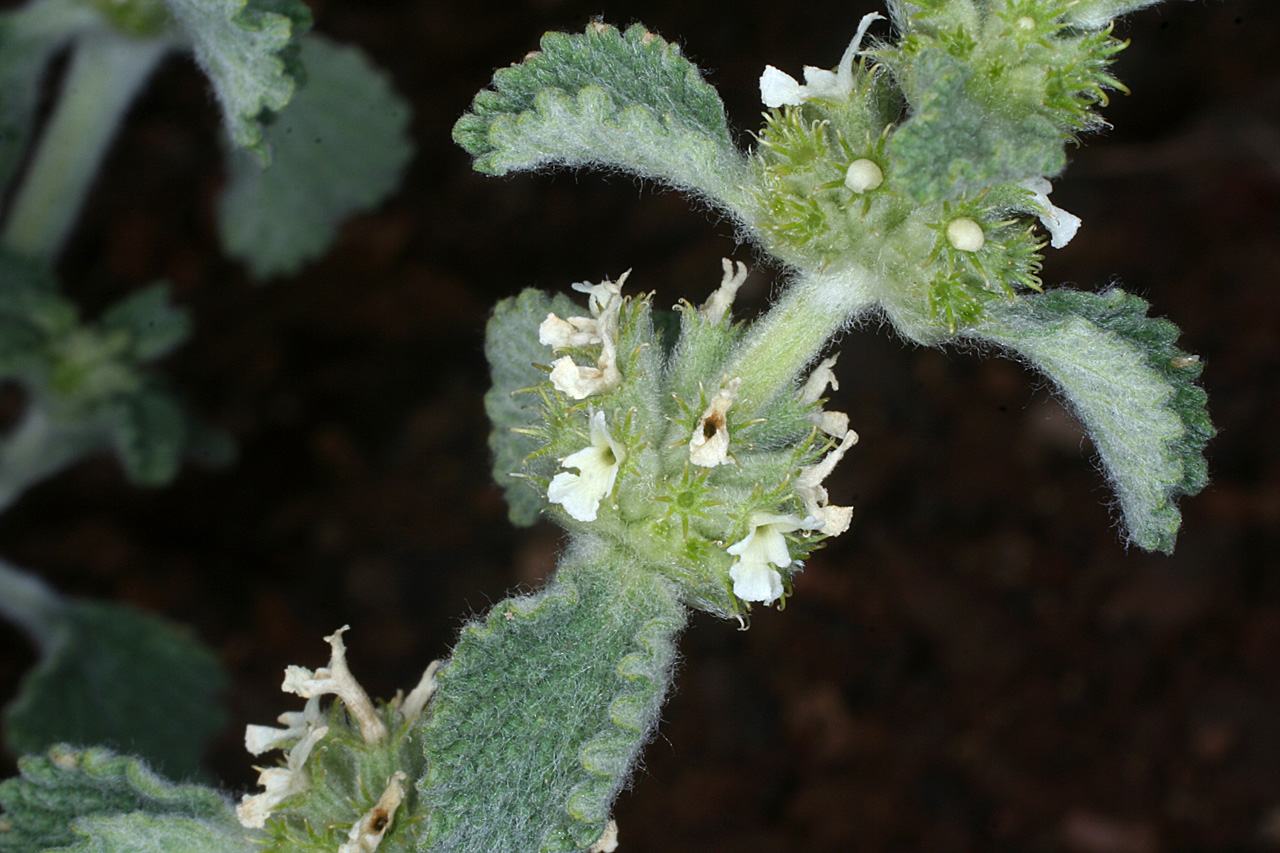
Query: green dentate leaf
[544, 707]
[144, 833]
[512, 348]
[1132, 388]
[339, 148]
[952, 144]
[247, 48]
[120, 677]
[29, 37]
[607, 99]
[67, 784]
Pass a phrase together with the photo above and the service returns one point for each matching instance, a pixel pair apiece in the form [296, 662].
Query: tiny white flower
[366, 833]
[778, 89]
[1062, 226]
[337, 679]
[421, 695]
[580, 494]
[832, 423]
[604, 301]
[816, 385]
[279, 783]
[297, 724]
[719, 303]
[754, 575]
[572, 332]
[709, 445]
[829, 520]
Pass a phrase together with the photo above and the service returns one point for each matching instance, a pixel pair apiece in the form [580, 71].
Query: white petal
[259, 739]
[574, 332]
[719, 303]
[1062, 226]
[756, 582]
[821, 83]
[778, 89]
[580, 494]
[816, 385]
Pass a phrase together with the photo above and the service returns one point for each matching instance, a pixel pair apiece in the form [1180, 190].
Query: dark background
[978, 664]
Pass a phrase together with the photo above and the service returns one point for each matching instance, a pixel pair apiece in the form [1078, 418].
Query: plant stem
[35, 450]
[788, 338]
[31, 604]
[105, 73]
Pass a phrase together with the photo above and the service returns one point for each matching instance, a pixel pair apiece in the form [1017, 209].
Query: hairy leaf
[247, 48]
[339, 148]
[952, 144]
[145, 833]
[544, 707]
[512, 348]
[1132, 388]
[613, 100]
[67, 784]
[120, 677]
[1093, 14]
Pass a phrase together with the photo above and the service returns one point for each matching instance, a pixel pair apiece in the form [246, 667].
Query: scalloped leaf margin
[1132, 387]
[624, 101]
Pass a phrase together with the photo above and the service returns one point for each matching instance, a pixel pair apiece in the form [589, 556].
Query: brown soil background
[978, 664]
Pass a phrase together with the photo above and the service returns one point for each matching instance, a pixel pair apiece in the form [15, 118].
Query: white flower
[709, 445]
[337, 679]
[366, 833]
[828, 520]
[573, 332]
[1062, 226]
[604, 301]
[832, 423]
[778, 89]
[580, 494]
[279, 783]
[259, 739]
[765, 547]
[719, 303]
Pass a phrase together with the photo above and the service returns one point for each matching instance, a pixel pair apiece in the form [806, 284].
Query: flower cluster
[760, 510]
[305, 733]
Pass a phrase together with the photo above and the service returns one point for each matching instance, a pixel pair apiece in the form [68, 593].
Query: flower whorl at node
[721, 494]
[298, 798]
